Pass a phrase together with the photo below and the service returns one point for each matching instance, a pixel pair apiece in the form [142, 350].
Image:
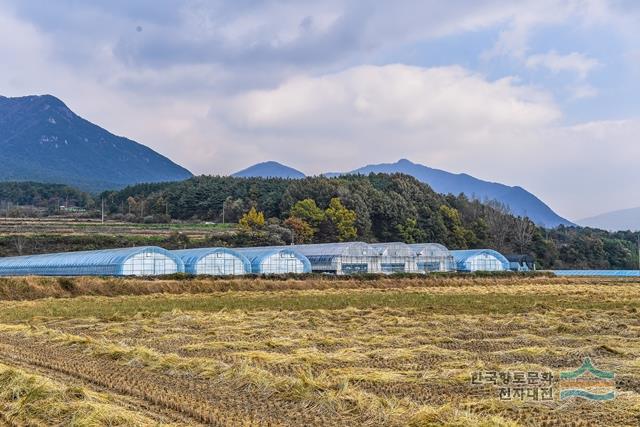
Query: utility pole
[102, 216]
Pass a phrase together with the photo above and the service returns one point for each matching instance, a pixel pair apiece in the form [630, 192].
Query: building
[275, 260]
[140, 261]
[396, 257]
[214, 261]
[480, 260]
[519, 262]
[341, 258]
[433, 257]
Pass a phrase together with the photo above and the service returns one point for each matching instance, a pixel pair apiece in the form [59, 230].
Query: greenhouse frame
[214, 261]
[433, 257]
[480, 260]
[138, 261]
[396, 257]
[341, 258]
[275, 260]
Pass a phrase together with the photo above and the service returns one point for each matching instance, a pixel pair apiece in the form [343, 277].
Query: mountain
[622, 220]
[269, 170]
[41, 139]
[520, 201]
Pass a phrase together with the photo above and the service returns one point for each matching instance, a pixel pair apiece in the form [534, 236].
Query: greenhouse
[140, 261]
[480, 260]
[214, 261]
[275, 260]
[396, 257]
[341, 258]
[432, 257]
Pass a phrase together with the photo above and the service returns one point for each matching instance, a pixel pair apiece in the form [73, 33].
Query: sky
[537, 93]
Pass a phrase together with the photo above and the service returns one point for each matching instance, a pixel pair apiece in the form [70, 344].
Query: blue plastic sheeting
[146, 260]
[596, 273]
[480, 260]
[276, 260]
[214, 261]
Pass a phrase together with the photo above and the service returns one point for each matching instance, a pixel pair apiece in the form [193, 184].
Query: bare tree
[498, 222]
[523, 231]
[19, 241]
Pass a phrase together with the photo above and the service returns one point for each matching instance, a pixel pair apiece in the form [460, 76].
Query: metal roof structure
[393, 249]
[214, 261]
[276, 260]
[429, 249]
[433, 257]
[138, 261]
[338, 249]
[480, 260]
[341, 257]
[396, 257]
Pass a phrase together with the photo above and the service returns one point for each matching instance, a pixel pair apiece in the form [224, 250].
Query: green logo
[587, 382]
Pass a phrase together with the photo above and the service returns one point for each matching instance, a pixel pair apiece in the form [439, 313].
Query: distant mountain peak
[620, 220]
[41, 139]
[517, 199]
[269, 169]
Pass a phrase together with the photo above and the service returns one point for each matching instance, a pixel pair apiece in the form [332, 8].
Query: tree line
[377, 207]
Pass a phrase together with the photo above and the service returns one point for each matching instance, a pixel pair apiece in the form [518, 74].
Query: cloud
[217, 85]
[573, 62]
[391, 97]
[445, 116]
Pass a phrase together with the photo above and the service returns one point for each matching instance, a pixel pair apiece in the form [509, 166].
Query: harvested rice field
[380, 352]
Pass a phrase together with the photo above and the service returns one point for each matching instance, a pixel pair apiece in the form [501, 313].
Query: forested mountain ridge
[387, 208]
[269, 170]
[515, 198]
[42, 140]
[382, 207]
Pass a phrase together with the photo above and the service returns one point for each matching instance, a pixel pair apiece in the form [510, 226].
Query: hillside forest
[373, 208]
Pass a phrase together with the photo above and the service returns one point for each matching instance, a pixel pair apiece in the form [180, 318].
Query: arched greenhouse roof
[337, 249]
[259, 253]
[191, 257]
[429, 249]
[393, 249]
[101, 262]
[461, 256]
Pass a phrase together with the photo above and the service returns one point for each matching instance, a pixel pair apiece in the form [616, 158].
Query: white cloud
[391, 96]
[573, 62]
[447, 117]
[218, 85]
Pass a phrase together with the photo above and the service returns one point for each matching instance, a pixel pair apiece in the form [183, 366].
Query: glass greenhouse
[396, 257]
[433, 257]
[275, 260]
[214, 261]
[480, 260]
[341, 258]
[140, 261]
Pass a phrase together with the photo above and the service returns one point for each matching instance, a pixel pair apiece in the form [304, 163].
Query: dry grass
[398, 352]
[27, 399]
